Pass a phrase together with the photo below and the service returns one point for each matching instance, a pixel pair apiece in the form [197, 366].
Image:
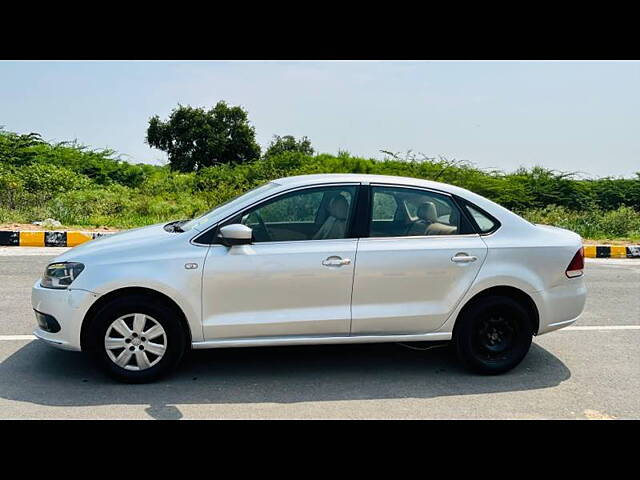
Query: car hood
[145, 237]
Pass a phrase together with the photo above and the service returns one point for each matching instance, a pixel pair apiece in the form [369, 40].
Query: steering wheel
[264, 226]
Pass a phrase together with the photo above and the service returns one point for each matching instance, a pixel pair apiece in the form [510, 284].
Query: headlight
[61, 275]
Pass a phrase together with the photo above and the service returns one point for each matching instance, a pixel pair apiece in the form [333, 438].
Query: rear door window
[406, 212]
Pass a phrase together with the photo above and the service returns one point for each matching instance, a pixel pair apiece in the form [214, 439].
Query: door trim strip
[318, 340]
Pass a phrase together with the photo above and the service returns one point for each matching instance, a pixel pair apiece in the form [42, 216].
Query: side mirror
[235, 234]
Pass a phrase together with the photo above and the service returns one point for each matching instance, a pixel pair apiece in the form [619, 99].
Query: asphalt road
[575, 373]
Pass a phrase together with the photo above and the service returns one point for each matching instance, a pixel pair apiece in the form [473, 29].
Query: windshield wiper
[175, 227]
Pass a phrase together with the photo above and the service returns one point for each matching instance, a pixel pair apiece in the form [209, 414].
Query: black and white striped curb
[612, 251]
[47, 238]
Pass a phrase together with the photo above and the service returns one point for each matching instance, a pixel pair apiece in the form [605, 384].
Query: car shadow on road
[41, 375]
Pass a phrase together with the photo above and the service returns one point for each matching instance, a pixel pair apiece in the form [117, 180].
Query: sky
[570, 116]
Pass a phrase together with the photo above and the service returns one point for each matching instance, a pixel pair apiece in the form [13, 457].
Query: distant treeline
[81, 186]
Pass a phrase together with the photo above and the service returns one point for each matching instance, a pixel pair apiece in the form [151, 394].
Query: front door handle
[336, 261]
[463, 258]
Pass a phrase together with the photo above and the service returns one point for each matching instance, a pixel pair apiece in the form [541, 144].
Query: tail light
[577, 264]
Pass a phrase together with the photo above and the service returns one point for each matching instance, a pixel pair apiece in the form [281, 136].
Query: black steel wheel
[493, 335]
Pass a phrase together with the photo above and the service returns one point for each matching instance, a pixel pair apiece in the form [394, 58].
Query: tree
[289, 144]
[195, 138]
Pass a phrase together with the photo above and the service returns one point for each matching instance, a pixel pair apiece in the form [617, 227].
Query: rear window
[485, 224]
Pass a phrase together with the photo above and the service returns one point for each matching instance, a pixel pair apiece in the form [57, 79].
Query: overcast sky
[578, 116]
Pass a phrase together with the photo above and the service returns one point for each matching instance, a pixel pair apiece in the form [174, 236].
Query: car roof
[364, 177]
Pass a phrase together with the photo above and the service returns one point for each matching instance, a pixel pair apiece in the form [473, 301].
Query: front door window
[311, 214]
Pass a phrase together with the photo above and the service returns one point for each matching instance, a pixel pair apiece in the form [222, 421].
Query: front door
[295, 279]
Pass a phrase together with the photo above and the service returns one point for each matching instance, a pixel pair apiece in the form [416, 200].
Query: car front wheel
[493, 335]
[137, 339]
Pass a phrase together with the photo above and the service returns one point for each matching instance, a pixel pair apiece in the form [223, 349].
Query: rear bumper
[68, 307]
[560, 306]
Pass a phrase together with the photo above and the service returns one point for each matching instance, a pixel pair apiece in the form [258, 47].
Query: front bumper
[68, 307]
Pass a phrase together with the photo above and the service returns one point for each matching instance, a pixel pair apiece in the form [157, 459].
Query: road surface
[589, 371]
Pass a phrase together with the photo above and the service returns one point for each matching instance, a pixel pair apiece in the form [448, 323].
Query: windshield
[245, 197]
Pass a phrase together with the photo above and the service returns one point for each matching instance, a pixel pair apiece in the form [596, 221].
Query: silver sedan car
[317, 259]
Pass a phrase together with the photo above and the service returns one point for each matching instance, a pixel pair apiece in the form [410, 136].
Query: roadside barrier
[47, 239]
[612, 251]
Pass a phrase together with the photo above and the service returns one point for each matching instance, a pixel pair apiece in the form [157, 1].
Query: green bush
[624, 222]
[79, 186]
[80, 206]
[101, 166]
[47, 180]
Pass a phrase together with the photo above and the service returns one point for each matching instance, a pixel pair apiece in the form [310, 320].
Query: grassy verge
[609, 241]
[620, 225]
[27, 227]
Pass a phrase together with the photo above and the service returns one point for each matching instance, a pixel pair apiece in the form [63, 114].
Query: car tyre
[137, 339]
[493, 335]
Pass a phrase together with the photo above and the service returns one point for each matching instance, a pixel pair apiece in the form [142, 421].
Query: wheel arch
[506, 291]
[126, 291]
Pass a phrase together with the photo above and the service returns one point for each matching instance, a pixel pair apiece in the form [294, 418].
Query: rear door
[420, 257]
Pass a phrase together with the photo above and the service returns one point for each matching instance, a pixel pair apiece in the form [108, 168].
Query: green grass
[93, 209]
[621, 224]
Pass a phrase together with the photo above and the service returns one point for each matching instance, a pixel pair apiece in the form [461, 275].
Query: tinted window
[398, 211]
[310, 214]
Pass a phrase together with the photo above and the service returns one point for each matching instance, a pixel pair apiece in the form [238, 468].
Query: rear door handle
[336, 261]
[463, 258]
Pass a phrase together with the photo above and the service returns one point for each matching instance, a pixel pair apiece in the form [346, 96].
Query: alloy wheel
[135, 341]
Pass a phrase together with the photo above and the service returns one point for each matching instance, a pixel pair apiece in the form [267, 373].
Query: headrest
[339, 207]
[427, 211]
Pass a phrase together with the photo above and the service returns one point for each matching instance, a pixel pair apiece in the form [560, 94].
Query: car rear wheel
[493, 335]
[137, 339]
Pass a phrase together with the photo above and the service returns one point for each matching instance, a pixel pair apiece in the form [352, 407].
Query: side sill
[268, 342]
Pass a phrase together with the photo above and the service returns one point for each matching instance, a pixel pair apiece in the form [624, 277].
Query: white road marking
[627, 262]
[603, 327]
[597, 328]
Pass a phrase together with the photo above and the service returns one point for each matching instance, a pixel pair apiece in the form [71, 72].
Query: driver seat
[335, 224]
